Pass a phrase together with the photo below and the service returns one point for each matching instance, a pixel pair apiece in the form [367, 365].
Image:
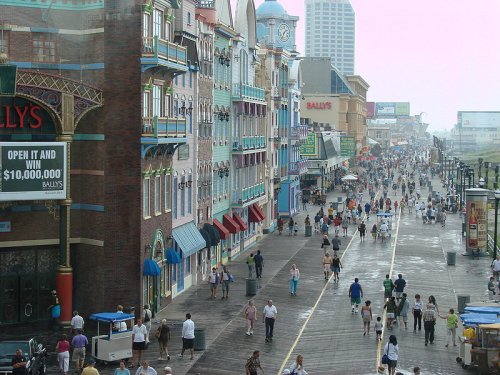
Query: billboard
[477, 219]
[347, 146]
[32, 170]
[310, 146]
[472, 119]
[393, 109]
[370, 109]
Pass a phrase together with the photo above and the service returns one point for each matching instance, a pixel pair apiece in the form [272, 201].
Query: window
[4, 41]
[145, 25]
[44, 47]
[188, 265]
[157, 101]
[168, 105]
[189, 18]
[190, 194]
[183, 197]
[145, 196]
[157, 23]
[175, 213]
[157, 195]
[145, 104]
[168, 192]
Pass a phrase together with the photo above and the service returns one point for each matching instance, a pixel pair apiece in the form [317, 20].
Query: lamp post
[497, 172]
[495, 232]
[480, 161]
[481, 183]
[487, 166]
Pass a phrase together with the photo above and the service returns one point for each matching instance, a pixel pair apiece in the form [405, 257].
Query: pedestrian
[225, 278]
[495, 267]
[251, 265]
[451, 327]
[294, 279]
[336, 266]
[491, 288]
[291, 224]
[62, 348]
[378, 328]
[297, 368]
[139, 339]
[336, 244]
[429, 317]
[79, 342]
[145, 369]
[90, 368]
[167, 370]
[443, 218]
[122, 369]
[295, 228]
[327, 264]
[362, 230]
[76, 323]
[432, 301]
[307, 221]
[374, 232]
[259, 264]
[368, 208]
[326, 243]
[388, 287]
[19, 363]
[317, 219]
[390, 308]
[119, 326]
[253, 363]
[280, 226]
[402, 311]
[147, 315]
[163, 336]
[348, 216]
[416, 370]
[269, 316]
[55, 311]
[250, 315]
[391, 349]
[355, 294]
[399, 286]
[213, 281]
[336, 225]
[366, 314]
[417, 313]
[187, 336]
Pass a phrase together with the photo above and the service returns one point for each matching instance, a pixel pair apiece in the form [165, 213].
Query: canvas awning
[172, 256]
[230, 224]
[151, 268]
[223, 232]
[189, 239]
[241, 223]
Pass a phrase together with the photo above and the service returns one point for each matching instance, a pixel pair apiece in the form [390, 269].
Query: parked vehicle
[34, 352]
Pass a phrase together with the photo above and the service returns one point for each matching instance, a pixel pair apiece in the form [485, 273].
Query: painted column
[476, 223]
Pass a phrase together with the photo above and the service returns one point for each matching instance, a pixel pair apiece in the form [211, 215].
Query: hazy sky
[442, 56]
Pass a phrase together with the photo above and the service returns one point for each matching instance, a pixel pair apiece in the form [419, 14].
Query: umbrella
[349, 177]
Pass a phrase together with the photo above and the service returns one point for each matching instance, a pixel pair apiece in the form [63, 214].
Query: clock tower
[275, 26]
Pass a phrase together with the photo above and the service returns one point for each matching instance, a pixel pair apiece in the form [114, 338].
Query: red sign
[319, 105]
[20, 116]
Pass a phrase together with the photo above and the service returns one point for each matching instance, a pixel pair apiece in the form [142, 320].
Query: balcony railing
[298, 167]
[163, 127]
[299, 132]
[253, 142]
[163, 49]
[243, 91]
[249, 193]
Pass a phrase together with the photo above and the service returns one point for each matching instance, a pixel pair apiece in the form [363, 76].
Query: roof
[111, 317]
[270, 8]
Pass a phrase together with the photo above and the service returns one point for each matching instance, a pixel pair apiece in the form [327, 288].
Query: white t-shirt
[213, 277]
[77, 322]
[270, 311]
[496, 265]
[188, 329]
[139, 333]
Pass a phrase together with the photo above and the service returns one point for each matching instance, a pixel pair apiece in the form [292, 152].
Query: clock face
[284, 32]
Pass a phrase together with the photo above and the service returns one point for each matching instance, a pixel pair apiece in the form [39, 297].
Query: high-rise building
[330, 32]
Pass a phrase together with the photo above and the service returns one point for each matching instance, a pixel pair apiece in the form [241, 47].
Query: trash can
[462, 301]
[199, 339]
[251, 287]
[451, 258]
[309, 230]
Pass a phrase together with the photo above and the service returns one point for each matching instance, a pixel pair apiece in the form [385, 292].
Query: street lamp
[487, 166]
[481, 183]
[480, 161]
[495, 233]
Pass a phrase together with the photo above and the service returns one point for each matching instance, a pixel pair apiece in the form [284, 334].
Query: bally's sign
[319, 105]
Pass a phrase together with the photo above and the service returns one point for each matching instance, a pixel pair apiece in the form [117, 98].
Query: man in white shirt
[145, 368]
[187, 336]
[77, 322]
[495, 266]
[139, 338]
[269, 316]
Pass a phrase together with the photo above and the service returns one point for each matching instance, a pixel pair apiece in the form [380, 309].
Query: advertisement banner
[32, 170]
[402, 109]
[478, 119]
[370, 109]
[310, 146]
[477, 221]
[347, 146]
[393, 109]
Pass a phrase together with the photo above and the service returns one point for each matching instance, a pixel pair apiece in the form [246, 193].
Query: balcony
[298, 167]
[162, 129]
[248, 195]
[299, 132]
[249, 143]
[244, 92]
[206, 9]
[158, 52]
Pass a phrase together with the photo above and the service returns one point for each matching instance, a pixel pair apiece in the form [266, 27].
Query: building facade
[330, 32]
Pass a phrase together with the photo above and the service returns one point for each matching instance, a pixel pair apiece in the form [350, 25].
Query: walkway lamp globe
[481, 182]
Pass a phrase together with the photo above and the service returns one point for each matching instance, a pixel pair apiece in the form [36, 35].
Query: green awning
[189, 239]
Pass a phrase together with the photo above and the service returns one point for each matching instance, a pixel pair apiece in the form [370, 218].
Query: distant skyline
[441, 56]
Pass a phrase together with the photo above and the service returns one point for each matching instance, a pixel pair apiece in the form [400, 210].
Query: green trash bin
[462, 301]
[199, 339]
[251, 287]
[451, 258]
[309, 230]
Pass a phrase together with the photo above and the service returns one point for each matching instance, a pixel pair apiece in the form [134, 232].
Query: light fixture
[221, 115]
[226, 116]
[223, 172]
[222, 59]
[190, 109]
[227, 60]
[147, 248]
[183, 109]
[189, 183]
[181, 185]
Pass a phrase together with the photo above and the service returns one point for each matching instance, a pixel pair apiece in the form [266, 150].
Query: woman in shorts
[390, 307]
[366, 314]
[336, 266]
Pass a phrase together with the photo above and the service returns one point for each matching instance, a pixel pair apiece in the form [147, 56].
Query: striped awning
[189, 239]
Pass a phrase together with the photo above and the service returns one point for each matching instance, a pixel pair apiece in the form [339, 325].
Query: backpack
[147, 316]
